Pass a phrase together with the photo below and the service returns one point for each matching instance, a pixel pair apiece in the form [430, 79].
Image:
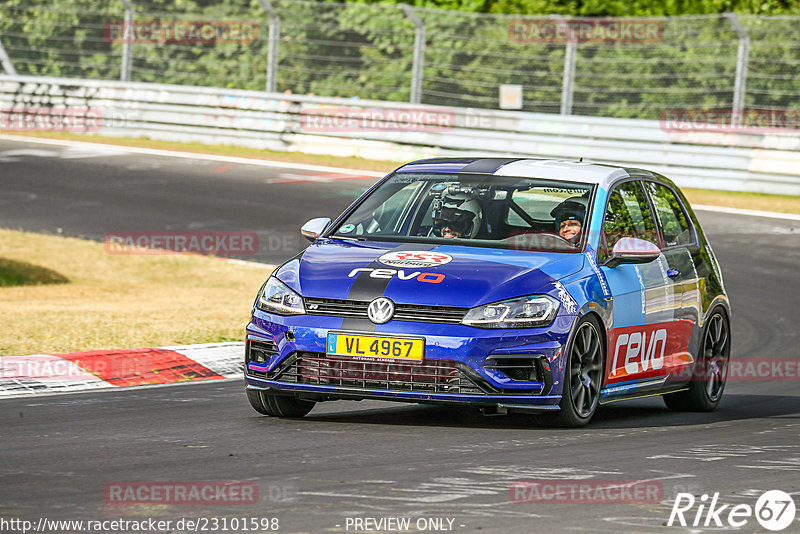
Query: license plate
[372, 347]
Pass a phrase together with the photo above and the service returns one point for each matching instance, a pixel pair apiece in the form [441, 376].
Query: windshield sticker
[415, 259]
[347, 228]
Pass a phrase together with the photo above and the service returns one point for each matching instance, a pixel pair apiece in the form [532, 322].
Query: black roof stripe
[442, 160]
[488, 165]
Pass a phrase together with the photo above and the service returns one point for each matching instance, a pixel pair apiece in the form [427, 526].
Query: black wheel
[710, 371]
[278, 405]
[583, 376]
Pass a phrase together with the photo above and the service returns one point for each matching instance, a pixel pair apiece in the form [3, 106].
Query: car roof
[572, 171]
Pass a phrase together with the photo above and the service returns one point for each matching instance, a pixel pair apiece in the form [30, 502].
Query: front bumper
[518, 369]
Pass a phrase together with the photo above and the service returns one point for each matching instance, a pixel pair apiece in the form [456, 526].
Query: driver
[459, 216]
[569, 217]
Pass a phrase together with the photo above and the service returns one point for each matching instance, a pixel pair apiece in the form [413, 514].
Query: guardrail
[713, 158]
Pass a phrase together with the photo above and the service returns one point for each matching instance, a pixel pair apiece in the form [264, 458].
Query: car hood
[345, 270]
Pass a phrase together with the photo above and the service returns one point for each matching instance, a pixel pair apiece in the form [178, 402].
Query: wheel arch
[603, 338]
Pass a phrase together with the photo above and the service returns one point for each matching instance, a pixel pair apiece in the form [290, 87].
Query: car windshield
[473, 209]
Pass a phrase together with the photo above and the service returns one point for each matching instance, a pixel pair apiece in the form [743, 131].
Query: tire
[278, 405]
[710, 372]
[583, 377]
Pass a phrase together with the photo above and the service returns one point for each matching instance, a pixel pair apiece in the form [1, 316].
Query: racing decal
[642, 291]
[431, 278]
[415, 258]
[600, 276]
[570, 306]
[646, 351]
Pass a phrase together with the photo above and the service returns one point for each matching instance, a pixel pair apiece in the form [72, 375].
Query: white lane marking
[190, 155]
[751, 213]
[9, 156]
[81, 152]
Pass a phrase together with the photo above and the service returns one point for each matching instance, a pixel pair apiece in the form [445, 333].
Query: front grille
[430, 376]
[402, 312]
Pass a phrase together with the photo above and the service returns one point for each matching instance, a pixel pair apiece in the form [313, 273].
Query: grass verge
[120, 301]
[747, 201]
[753, 201]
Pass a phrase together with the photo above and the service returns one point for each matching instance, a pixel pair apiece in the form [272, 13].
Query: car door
[642, 337]
[679, 246]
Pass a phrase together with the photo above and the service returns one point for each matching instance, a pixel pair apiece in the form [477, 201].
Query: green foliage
[365, 50]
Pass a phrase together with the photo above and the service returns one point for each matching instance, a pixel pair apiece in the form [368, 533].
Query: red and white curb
[103, 369]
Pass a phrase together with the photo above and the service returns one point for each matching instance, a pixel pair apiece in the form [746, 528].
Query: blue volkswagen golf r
[508, 284]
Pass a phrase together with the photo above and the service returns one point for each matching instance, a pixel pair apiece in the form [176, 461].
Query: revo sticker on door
[646, 351]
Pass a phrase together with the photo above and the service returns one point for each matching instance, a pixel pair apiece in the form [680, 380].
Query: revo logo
[431, 278]
[639, 356]
[649, 350]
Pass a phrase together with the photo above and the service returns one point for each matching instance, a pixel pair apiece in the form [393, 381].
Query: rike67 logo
[774, 510]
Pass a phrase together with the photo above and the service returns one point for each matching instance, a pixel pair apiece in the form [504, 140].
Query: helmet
[460, 212]
[571, 209]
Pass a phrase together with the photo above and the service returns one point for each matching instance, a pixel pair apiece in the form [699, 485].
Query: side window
[627, 215]
[392, 213]
[674, 222]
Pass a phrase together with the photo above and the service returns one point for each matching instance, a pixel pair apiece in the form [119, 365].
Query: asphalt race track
[349, 460]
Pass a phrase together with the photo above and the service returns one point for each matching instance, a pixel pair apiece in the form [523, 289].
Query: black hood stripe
[366, 288]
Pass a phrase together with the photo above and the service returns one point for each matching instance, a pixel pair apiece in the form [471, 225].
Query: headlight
[523, 312]
[276, 297]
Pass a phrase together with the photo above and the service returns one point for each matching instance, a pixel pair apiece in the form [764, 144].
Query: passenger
[569, 217]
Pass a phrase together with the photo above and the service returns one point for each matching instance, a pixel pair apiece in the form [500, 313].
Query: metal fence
[754, 161]
[398, 53]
